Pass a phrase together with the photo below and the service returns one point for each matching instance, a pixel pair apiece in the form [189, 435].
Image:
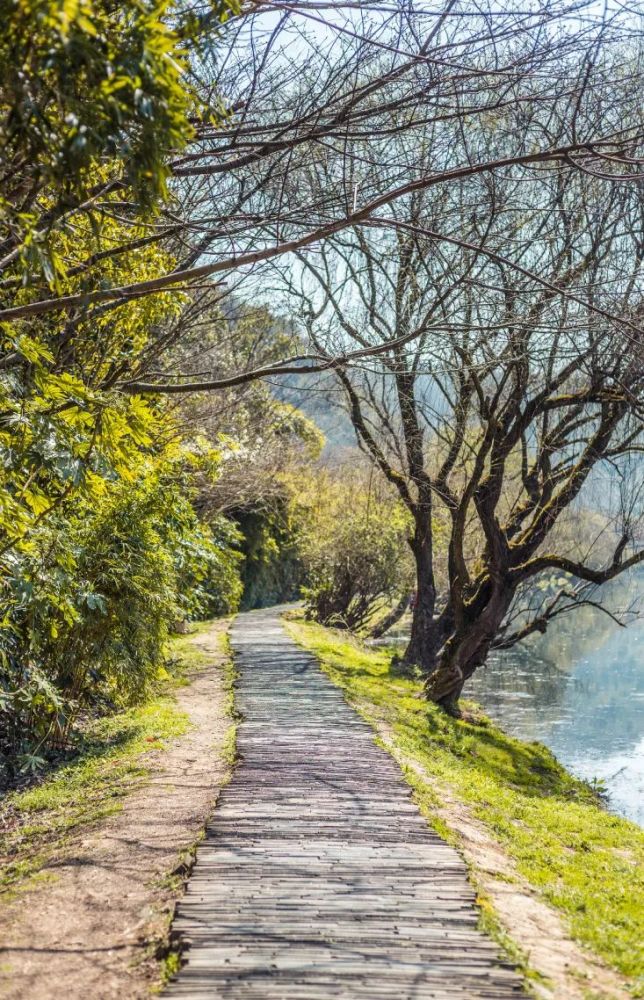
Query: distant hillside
[321, 399]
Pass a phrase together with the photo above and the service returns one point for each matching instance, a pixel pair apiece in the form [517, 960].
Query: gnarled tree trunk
[468, 648]
[423, 642]
[390, 620]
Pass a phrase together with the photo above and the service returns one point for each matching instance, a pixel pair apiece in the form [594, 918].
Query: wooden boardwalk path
[318, 877]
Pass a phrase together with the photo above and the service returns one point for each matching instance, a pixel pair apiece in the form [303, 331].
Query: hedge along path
[318, 877]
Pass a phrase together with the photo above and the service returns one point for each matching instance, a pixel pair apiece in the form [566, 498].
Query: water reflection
[588, 707]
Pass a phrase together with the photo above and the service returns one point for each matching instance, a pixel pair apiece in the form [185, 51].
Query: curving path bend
[318, 877]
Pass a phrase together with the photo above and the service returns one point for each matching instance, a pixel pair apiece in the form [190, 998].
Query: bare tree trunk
[390, 620]
[444, 685]
[423, 643]
[466, 651]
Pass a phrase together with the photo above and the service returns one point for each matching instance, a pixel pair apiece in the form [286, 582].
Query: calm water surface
[579, 690]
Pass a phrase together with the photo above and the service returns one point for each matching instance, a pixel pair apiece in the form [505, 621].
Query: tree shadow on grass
[70, 758]
[529, 768]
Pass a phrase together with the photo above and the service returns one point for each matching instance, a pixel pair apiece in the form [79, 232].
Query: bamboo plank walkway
[318, 877]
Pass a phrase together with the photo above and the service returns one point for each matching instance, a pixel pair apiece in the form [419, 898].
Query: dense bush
[272, 571]
[355, 553]
[87, 606]
[101, 550]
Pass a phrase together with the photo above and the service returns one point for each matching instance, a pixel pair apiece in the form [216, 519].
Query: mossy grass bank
[581, 859]
[110, 762]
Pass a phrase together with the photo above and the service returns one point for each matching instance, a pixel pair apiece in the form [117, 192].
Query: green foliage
[88, 604]
[101, 550]
[88, 84]
[355, 550]
[207, 561]
[63, 431]
[100, 547]
[272, 570]
[584, 861]
[110, 762]
[84, 78]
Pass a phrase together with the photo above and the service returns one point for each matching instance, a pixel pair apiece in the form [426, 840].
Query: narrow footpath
[318, 877]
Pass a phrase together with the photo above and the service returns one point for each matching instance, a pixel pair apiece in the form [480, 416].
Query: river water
[579, 690]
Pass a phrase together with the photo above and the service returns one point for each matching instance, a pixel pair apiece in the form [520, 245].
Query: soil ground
[92, 926]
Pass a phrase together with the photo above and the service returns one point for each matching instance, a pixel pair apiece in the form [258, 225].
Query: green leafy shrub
[355, 552]
[88, 604]
[101, 550]
[272, 571]
[207, 563]
[89, 87]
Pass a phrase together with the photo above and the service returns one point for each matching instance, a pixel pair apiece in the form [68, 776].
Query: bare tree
[502, 390]
[258, 435]
[329, 119]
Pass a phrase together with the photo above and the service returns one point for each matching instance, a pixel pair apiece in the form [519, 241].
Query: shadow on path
[318, 877]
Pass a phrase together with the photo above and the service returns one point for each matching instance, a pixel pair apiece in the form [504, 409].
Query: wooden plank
[318, 877]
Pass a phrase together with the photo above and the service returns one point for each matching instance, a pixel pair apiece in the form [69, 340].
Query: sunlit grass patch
[187, 656]
[585, 861]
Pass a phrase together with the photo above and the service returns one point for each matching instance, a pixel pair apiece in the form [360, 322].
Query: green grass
[38, 822]
[586, 862]
[186, 657]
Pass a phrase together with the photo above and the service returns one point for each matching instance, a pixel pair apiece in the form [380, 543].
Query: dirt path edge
[565, 970]
[97, 926]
